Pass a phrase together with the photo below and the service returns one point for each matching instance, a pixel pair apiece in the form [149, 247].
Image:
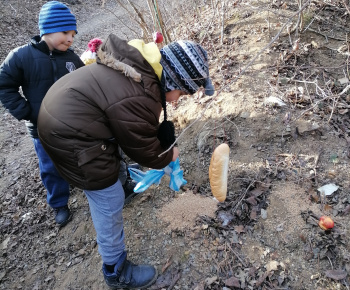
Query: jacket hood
[117, 54]
[151, 53]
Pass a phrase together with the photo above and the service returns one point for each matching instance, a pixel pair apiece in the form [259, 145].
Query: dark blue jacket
[26, 75]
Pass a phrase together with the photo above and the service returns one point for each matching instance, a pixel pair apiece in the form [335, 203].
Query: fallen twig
[175, 279]
[326, 36]
[243, 195]
[319, 101]
[239, 133]
[346, 6]
[336, 100]
[238, 257]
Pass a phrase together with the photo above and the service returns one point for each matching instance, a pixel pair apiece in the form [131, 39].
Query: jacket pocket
[89, 154]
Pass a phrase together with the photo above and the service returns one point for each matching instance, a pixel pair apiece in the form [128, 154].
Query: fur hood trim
[108, 60]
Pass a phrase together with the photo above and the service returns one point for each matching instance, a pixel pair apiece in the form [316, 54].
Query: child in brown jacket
[117, 101]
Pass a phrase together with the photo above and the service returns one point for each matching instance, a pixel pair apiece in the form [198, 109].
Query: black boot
[62, 215]
[130, 184]
[130, 276]
[129, 190]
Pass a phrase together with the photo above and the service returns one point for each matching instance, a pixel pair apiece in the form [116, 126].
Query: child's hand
[176, 153]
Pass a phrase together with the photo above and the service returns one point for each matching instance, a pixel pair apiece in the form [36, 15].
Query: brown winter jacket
[88, 113]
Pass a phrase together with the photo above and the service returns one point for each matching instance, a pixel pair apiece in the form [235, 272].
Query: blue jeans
[57, 188]
[106, 206]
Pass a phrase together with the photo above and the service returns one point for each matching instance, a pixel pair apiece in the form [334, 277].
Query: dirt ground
[282, 108]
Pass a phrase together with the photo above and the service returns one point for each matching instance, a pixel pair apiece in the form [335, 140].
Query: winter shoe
[130, 276]
[62, 215]
[130, 184]
[129, 190]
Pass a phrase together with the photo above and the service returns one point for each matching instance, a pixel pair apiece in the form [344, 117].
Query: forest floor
[285, 116]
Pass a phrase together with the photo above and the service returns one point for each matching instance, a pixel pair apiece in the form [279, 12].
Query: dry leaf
[233, 282]
[200, 286]
[4, 244]
[328, 207]
[336, 274]
[315, 198]
[239, 229]
[211, 280]
[256, 192]
[145, 197]
[253, 214]
[346, 210]
[279, 228]
[272, 266]
[251, 200]
[167, 264]
[261, 279]
[343, 111]
[167, 279]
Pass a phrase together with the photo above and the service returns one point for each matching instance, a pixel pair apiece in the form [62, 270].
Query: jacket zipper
[54, 67]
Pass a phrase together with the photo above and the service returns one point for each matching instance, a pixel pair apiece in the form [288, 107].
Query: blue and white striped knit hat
[54, 16]
[185, 68]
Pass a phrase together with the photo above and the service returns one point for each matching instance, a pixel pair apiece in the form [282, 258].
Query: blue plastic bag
[176, 175]
[146, 179]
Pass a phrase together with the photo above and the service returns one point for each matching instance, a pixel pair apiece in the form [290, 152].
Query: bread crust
[218, 171]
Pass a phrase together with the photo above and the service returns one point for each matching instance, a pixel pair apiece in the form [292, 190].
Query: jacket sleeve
[134, 123]
[11, 78]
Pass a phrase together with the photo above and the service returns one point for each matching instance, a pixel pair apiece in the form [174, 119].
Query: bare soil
[286, 120]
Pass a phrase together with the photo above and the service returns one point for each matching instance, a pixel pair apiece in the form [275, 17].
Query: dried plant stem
[346, 6]
[347, 59]
[222, 21]
[299, 23]
[336, 100]
[140, 20]
[243, 196]
[326, 36]
[118, 18]
[159, 19]
[330, 262]
[239, 133]
[238, 257]
[325, 97]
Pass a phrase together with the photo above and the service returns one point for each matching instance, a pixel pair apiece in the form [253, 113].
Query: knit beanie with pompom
[89, 56]
[185, 68]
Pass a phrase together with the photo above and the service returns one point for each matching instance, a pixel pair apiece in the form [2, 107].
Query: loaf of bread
[218, 171]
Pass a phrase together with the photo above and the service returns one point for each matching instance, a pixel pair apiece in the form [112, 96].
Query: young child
[114, 102]
[34, 67]
[89, 56]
